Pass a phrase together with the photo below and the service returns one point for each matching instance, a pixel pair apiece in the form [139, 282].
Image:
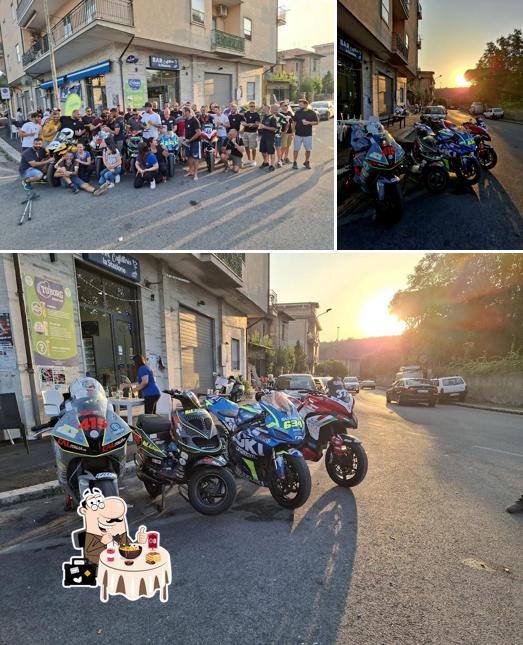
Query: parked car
[451, 387]
[433, 112]
[368, 384]
[477, 108]
[415, 390]
[293, 383]
[494, 113]
[351, 384]
[324, 108]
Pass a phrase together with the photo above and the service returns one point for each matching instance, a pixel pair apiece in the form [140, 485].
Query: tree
[317, 85]
[331, 368]
[281, 361]
[300, 358]
[307, 87]
[327, 83]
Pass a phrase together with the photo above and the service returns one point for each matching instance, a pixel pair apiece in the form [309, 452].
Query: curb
[9, 151]
[39, 491]
[479, 406]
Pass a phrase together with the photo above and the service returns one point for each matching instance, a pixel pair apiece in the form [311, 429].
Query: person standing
[146, 384]
[235, 118]
[50, 128]
[267, 128]
[19, 117]
[250, 133]
[168, 120]
[116, 128]
[75, 123]
[287, 136]
[304, 119]
[193, 132]
[151, 121]
[30, 130]
[283, 125]
[221, 123]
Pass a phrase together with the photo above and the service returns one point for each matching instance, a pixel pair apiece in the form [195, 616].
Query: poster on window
[50, 318]
[6, 334]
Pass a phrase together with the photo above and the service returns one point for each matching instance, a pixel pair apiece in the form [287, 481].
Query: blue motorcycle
[259, 440]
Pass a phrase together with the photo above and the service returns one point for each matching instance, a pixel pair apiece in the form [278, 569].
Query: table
[140, 580]
[128, 404]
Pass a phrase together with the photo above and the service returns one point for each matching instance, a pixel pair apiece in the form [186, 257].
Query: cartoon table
[137, 580]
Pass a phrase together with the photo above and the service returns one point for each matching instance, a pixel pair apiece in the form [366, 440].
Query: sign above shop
[159, 62]
[131, 59]
[345, 47]
[123, 265]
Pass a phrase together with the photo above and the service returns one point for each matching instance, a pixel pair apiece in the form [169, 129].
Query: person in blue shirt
[146, 385]
[147, 166]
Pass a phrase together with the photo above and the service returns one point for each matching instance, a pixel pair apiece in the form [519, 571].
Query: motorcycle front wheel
[211, 490]
[170, 165]
[109, 487]
[471, 172]
[152, 488]
[294, 490]
[350, 470]
[488, 158]
[436, 179]
[210, 160]
[389, 211]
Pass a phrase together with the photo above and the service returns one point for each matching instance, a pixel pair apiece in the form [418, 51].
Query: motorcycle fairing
[149, 446]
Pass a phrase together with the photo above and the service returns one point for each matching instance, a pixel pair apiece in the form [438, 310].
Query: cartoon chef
[104, 522]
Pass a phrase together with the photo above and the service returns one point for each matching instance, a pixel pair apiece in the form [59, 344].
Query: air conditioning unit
[223, 11]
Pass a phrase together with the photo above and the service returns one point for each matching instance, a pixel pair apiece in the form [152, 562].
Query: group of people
[240, 133]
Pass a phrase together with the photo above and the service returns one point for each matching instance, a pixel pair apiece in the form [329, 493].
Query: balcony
[420, 12]
[84, 30]
[401, 9]
[281, 18]
[399, 49]
[227, 44]
[235, 261]
[30, 13]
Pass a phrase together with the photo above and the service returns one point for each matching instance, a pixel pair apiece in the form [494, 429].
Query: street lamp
[325, 312]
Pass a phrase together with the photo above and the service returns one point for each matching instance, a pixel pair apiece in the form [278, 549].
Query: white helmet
[66, 133]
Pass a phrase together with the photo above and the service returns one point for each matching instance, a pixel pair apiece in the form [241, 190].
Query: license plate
[423, 391]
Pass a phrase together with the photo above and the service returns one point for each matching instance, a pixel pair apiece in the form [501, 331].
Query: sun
[461, 82]
[374, 317]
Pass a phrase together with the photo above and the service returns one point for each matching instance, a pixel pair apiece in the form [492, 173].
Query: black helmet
[429, 148]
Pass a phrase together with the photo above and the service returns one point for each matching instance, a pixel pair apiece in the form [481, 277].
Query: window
[385, 10]
[251, 91]
[235, 354]
[247, 28]
[198, 11]
[407, 40]
[17, 49]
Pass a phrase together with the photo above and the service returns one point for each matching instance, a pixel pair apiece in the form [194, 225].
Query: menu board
[50, 318]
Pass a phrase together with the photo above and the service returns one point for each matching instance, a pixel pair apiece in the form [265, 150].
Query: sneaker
[253, 164]
[264, 165]
[26, 185]
[295, 166]
[270, 169]
[117, 179]
[153, 184]
[307, 164]
[517, 507]
[102, 189]
[279, 164]
[111, 184]
[75, 189]
[287, 161]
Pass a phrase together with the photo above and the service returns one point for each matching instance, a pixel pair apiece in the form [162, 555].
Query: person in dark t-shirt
[267, 129]
[193, 132]
[304, 119]
[232, 150]
[250, 133]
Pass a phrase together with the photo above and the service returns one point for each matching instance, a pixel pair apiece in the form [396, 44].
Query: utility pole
[337, 334]
[50, 45]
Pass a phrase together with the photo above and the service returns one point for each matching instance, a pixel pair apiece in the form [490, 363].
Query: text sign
[118, 263]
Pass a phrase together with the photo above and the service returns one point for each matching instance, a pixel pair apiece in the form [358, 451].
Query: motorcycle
[209, 142]
[98, 146]
[424, 162]
[262, 443]
[89, 441]
[375, 162]
[327, 420]
[63, 142]
[485, 153]
[130, 150]
[237, 389]
[171, 143]
[186, 450]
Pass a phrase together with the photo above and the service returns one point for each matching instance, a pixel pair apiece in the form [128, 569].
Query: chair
[52, 398]
[14, 131]
[163, 407]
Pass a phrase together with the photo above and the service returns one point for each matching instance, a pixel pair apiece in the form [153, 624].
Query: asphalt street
[488, 215]
[421, 552]
[285, 209]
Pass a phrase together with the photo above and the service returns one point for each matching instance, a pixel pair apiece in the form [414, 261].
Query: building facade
[423, 87]
[325, 50]
[301, 62]
[378, 46]
[305, 327]
[66, 315]
[116, 52]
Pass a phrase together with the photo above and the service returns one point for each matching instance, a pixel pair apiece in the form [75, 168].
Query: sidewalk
[10, 147]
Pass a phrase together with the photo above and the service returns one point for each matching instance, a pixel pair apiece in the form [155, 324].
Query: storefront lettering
[119, 263]
[347, 48]
[158, 62]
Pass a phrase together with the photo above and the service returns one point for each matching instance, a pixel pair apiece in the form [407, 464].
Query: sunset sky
[356, 286]
[309, 22]
[454, 34]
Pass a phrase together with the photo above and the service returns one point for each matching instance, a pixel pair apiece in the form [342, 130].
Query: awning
[48, 85]
[93, 70]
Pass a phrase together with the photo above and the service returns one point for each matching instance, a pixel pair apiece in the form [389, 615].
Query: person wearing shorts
[287, 136]
[232, 150]
[267, 128]
[250, 133]
[192, 139]
[283, 126]
[304, 119]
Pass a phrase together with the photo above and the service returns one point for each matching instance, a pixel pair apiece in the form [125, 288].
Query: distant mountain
[358, 348]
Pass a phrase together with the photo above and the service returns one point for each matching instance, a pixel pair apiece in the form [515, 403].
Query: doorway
[218, 89]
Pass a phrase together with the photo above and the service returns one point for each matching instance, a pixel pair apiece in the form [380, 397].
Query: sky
[455, 32]
[309, 22]
[356, 286]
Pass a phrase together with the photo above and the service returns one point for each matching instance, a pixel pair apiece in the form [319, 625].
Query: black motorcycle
[184, 450]
[424, 162]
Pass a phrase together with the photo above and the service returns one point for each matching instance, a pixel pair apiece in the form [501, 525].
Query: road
[286, 209]
[486, 216]
[421, 552]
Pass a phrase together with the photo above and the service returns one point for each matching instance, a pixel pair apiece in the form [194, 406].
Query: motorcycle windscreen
[283, 417]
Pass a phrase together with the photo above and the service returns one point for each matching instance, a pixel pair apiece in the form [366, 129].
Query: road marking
[505, 452]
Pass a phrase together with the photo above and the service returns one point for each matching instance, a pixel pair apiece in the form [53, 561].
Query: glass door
[124, 349]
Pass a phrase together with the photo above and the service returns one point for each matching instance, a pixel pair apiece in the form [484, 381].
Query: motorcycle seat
[154, 424]
[232, 414]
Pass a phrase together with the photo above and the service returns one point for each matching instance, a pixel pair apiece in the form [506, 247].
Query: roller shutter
[197, 343]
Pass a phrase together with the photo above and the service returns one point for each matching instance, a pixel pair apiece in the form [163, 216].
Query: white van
[451, 387]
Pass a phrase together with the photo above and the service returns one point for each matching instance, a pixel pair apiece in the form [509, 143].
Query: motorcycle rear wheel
[473, 173]
[488, 159]
[436, 180]
[203, 497]
[282, 492]
[344, 475]
[109, 487]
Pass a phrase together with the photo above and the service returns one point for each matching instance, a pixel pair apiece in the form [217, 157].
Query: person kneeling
[233, 151]
[146, 167]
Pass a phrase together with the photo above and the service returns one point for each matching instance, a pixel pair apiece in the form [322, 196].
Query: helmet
[86, 388]
[66, 133]
[375, 127]
[429, 148]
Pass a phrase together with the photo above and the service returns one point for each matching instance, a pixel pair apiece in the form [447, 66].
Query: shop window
[90, 288]
[247, 28]
[385, 10]
[235, 354]
[198, 11]
[251, 91]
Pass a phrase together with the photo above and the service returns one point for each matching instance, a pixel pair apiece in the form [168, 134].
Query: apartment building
[326, 50]
[378, 45]
[423, 87]
[116, 52]
[305, 327]
[68, 315]
[300, 62]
